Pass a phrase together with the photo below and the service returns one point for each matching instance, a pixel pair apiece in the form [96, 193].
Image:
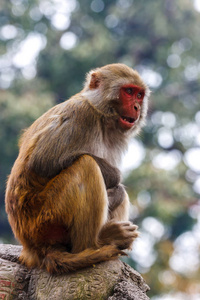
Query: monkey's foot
[121, 234]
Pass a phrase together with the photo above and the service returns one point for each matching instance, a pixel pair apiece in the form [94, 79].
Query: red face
[131, 97]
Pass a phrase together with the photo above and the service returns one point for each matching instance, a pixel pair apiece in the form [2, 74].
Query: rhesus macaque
[64, 199]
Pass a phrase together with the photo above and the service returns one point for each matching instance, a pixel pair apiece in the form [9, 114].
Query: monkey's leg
[91, 215]
[91, 207]
[77, 199]
[91, 227]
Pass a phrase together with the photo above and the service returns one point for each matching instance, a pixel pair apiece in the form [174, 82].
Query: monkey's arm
[116, 196]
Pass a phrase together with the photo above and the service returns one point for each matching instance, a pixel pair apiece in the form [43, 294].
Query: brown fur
[64, 199]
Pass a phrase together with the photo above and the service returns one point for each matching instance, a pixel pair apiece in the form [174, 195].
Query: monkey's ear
[95, 80]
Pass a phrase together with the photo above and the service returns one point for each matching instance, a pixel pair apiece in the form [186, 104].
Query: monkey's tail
[65, 262]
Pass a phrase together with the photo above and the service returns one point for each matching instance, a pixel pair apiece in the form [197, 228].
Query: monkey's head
[118, 92]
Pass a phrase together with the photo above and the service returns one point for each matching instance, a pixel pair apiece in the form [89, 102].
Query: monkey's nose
[136, 106]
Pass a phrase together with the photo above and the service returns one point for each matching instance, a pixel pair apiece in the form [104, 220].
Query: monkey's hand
[115, 196]
[121, 234]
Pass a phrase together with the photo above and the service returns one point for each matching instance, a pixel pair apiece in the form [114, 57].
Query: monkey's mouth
[126, 122]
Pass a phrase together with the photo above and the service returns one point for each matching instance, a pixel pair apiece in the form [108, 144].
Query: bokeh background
[47, 46]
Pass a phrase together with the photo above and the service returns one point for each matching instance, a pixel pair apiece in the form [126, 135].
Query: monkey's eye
[129, 91]
[139, 95]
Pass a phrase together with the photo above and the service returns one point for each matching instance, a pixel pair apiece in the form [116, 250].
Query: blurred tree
[59, 41]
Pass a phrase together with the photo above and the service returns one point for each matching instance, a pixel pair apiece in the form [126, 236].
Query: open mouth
[126, 122]
[128, 119]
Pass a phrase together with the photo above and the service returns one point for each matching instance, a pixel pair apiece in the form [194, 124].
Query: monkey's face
[120, 94]
[130, 105]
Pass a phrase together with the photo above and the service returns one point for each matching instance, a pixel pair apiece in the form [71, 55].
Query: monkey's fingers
[131, 233]
[134, 234]
[129, 226]
[132, 227]
[125, 223]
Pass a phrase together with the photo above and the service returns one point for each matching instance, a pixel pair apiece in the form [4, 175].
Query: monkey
[64, 197]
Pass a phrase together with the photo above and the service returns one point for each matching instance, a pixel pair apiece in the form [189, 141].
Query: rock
[112, 280]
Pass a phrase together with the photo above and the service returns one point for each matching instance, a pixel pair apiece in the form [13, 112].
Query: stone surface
[108, 280]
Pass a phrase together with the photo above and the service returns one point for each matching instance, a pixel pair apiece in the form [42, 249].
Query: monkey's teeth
[127, 119]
